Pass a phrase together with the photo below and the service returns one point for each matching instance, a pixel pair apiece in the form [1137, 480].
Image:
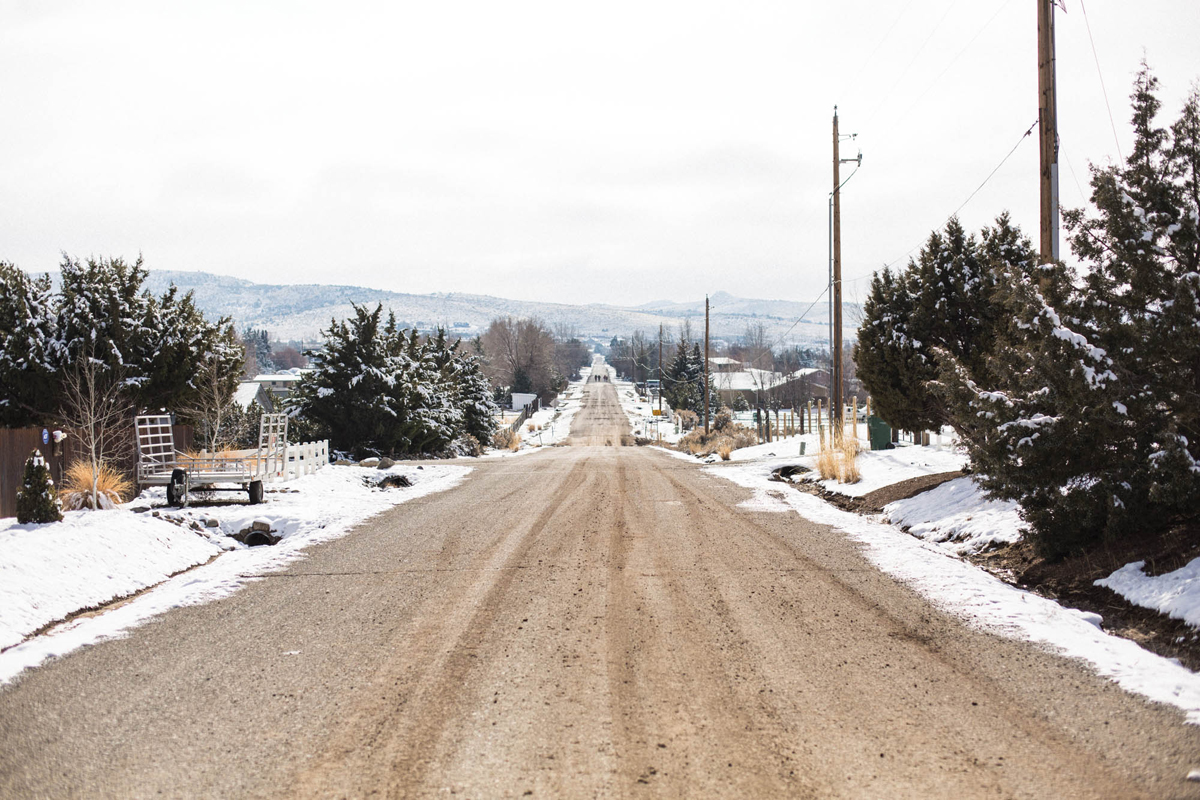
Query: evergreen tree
[27, 367]
[35, 498]
[943, 301]
[1088, 416]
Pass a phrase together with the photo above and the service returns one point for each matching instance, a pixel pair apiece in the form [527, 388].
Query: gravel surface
[590, 621]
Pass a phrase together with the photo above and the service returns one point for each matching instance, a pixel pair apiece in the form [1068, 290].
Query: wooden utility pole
[835, 391]
[1048, 131]
[660, 371]
[705, 364]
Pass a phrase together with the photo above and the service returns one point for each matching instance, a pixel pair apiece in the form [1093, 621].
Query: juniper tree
[943, 300]
[27, 366]
[1089, 416]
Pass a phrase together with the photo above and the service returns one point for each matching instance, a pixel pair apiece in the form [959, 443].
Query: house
[760, 385]
[279, 384]
[252, 393]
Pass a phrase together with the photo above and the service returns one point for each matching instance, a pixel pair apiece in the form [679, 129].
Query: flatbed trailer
[160, 464]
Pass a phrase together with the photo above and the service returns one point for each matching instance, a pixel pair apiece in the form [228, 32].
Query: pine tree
[35, 498]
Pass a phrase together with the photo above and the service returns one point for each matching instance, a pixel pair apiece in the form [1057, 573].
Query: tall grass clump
[112, 487]
[839, 461]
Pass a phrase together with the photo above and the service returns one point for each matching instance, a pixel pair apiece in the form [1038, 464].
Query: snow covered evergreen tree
[378, 387]
[35, 497]
[1089, 415]
[943, 300]
[27, 381]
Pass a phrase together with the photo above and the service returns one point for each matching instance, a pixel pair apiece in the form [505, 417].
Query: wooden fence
[17, 443]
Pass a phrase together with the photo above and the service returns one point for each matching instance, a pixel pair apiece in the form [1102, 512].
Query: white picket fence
[304, 459]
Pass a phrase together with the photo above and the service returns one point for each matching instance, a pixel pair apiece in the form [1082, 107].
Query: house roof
[246, 393]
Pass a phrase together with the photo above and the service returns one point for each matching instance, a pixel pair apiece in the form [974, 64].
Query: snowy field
[48, 572]
[958, 519]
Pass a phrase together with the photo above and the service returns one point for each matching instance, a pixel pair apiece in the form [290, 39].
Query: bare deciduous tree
[96, 407]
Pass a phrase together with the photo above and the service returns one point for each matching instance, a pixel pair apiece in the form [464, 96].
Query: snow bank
[880, 468]
[1176, 594]
[91, 557]
[120, 552]
[957, 516]
[978, 598]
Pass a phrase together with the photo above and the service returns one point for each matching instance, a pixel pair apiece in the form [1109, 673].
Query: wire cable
[992, 174]
[954, 60]
[1103, 90]
[912, 61]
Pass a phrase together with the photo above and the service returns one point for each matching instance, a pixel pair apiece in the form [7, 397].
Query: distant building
[250, 393]
[280, 384]
[760, 385]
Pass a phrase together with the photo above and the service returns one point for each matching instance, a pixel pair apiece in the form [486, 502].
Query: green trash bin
[879, 433]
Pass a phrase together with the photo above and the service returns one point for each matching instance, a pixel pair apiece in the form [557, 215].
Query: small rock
[420, 467]
[212, 523]
[394, 482]
[386, 463]
[342, 462]
[156, 514]
[260, 525]
[369, 462]
[140, 509]
[196, 526]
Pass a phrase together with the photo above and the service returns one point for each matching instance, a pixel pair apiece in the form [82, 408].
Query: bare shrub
[506, 438]
[688, 419]
[722, 420]
[733, 436]
[725, 450]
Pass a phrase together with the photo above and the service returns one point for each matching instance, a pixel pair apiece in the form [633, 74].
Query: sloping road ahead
[589, 621]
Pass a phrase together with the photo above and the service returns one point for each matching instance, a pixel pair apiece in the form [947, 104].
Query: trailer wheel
[177, 489]
[256, 492]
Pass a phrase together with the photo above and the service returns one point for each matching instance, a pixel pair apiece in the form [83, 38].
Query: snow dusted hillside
[301, 311]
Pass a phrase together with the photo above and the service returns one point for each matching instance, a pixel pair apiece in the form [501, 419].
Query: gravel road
[589, 621]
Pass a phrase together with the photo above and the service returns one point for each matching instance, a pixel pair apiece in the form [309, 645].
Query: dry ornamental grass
[111, 486]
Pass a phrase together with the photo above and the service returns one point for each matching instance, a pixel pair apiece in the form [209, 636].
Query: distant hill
[300, 312]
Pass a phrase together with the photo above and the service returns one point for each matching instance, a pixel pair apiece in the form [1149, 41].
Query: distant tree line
[524, 355]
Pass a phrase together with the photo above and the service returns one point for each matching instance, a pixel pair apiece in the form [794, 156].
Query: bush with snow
[35, 498]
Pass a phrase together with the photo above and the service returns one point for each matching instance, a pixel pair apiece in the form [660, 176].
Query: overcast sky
[616, 152]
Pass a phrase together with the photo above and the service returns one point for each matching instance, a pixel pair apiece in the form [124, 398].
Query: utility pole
[705, 364]
[835, 391]
[660, 370]
[1048, 131]
[835, 280]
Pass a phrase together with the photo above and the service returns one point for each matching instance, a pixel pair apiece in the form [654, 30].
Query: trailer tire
[177, 489]
[256, 492]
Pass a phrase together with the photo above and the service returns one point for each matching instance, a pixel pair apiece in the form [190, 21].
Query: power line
[992, 174]
[1103, 90]
[854, 81]
[954, 60]
[912, 61]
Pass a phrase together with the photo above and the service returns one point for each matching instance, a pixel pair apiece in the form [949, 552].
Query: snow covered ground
[957, 519]
[48, 572]
[642, 420]
[551, 424]
[957, 516]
